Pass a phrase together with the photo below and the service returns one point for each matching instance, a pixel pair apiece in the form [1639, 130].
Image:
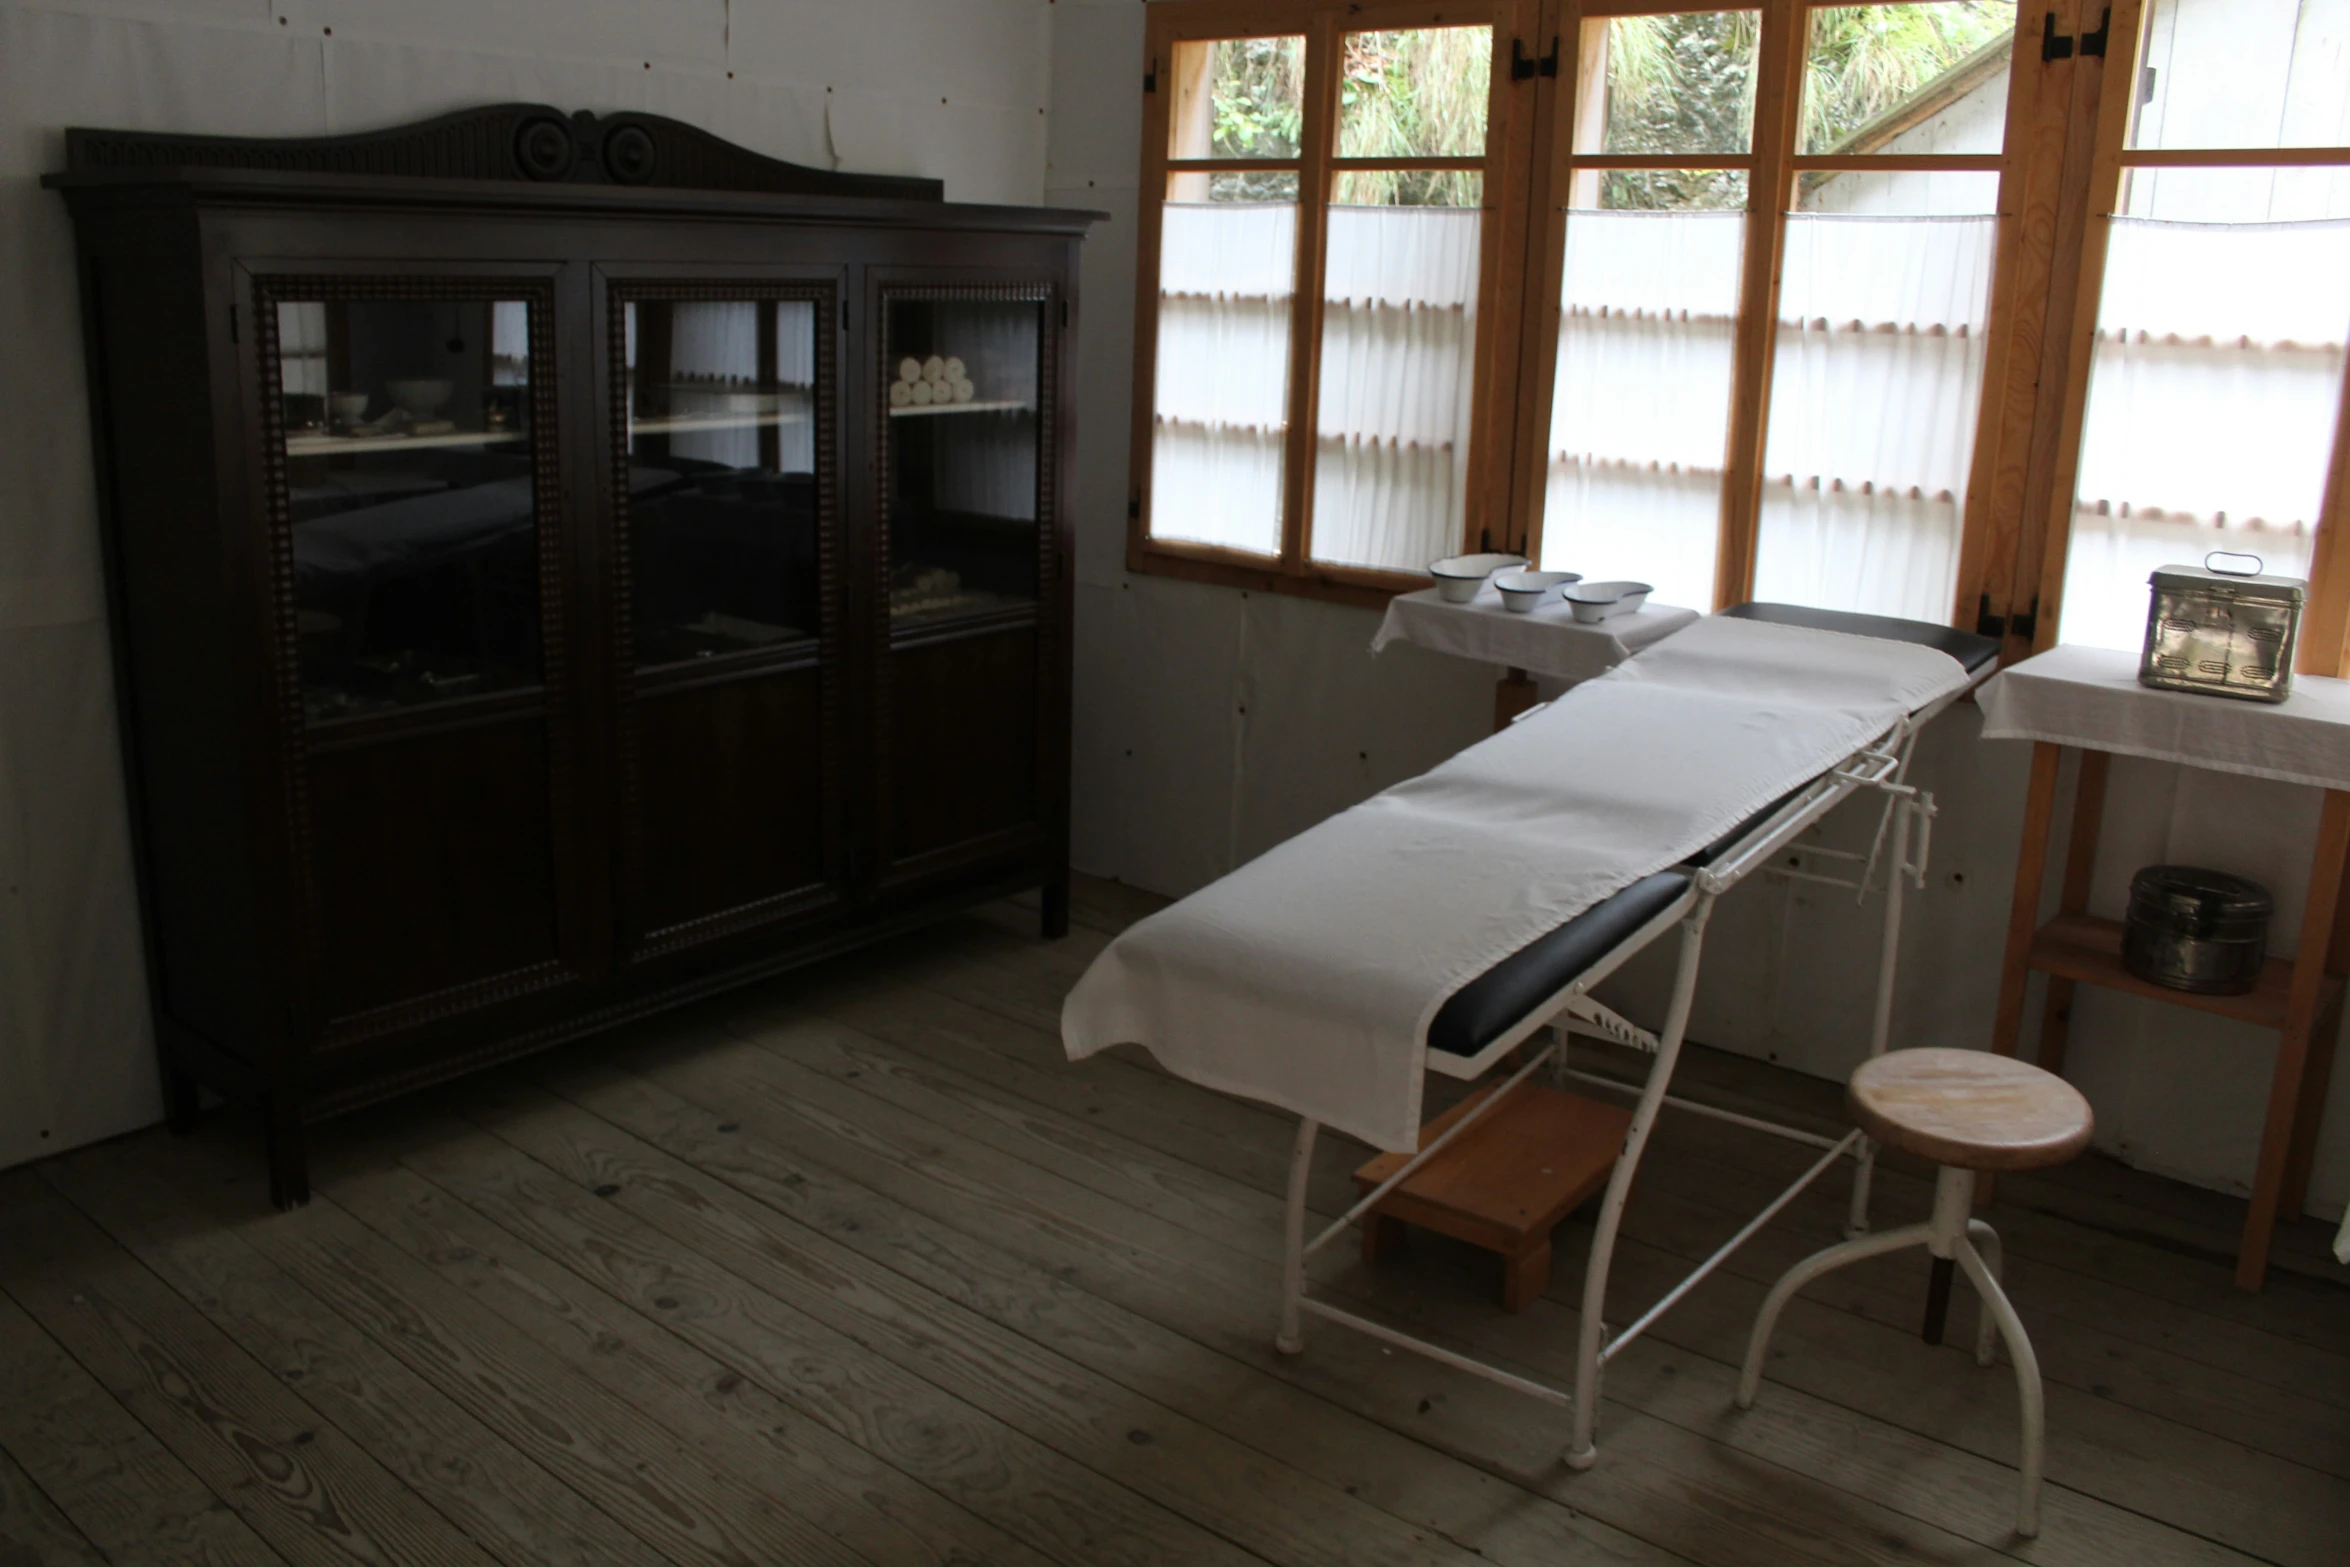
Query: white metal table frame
[1882, 767]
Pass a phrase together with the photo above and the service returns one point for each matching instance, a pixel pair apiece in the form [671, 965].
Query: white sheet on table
[1548, 640]
[2090, 696]
[1308, 977]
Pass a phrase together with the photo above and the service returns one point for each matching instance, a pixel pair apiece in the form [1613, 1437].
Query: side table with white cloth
[2090, 699]
[1547, 640]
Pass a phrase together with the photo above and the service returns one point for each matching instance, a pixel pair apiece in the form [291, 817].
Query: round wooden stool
[1965, 1110]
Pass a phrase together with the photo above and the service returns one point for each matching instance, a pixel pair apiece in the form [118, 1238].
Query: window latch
[1525, 69]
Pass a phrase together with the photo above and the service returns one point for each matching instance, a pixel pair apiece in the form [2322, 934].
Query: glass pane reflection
[408, 483]
[722, 480]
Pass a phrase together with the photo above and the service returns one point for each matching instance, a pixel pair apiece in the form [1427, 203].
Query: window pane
[1227, 269]
[1640, 412]
[409, 486]
[2212, 398]
[1238, 98]
[1670, 84]
[1908, 78]
[722, 475]
[1398, 340]
[1420, 93]
[1874, 394]
[2236, 195]
[2245, 73]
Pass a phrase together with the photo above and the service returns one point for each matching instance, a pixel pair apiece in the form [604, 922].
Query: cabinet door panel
[729, 813]
[433, 863]
[962, 743]
[722, 410]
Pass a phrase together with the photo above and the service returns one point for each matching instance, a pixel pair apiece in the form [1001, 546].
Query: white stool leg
[1293, 1237]
[1856, 1220]
[2027, 1385]
[1986, 1240]
[1803, 1273]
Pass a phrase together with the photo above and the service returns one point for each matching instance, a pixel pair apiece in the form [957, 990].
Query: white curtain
[509, 343]
[714, 353]
[2212, 401]
[1641, 404]
[301, 347]
[1877, 381]
[1398, 344]
[1226, 274]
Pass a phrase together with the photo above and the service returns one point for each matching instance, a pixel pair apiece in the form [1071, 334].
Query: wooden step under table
[1505, 1183]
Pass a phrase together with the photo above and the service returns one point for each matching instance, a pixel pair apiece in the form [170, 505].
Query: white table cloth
[1546, 641]
[1307, 978]
[2090, 697]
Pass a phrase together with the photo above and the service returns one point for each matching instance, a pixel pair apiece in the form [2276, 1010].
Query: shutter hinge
[2051, 48]
[1134, 506]
[1150, 78]
[1524, 69]
[2054, 48]
[2024, 623]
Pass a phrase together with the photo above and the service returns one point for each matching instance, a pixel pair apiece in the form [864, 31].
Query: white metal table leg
[2027, 1386]
[1290, 1339]
[1591, 1334]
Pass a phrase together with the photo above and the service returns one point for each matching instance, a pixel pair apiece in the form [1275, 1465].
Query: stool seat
[1969, 1109]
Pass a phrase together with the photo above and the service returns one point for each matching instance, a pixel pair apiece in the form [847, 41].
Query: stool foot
[2027, 1386]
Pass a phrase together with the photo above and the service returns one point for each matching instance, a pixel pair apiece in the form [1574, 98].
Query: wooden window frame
[2060, 170]
[2101, 122]
[1493, 369]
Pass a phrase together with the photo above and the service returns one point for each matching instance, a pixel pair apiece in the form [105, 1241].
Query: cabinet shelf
[2083, 948]
[332, 445]
[685, 424]
[960, 408]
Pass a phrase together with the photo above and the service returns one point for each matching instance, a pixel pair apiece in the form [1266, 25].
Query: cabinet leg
[289, 1156]
[181, 1099]
[1054, 923]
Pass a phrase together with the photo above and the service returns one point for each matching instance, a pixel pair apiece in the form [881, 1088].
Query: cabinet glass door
[414, 507]
[963, 455]
[723, 405]
[409, 488]
[967, 442]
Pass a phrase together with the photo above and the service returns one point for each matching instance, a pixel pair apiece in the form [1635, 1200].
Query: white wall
[1210, 723]
[955, 89]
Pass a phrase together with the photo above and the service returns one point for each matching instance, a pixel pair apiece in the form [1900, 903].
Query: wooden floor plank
[2246, 1360]
[724, 1413]
[126, 1493]
[1667, 1489]
[304, 1486]
[657, 1487]
[1038, 1496]
[509, 1505]
[1996, 1442]
[33, 1533]
[1240, 1494]
[2166, 1470]
[1241, 1396]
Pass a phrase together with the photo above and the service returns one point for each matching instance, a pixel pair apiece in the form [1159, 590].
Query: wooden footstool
[1504, 1184]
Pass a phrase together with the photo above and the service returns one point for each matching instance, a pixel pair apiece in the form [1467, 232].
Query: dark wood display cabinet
[560, 567]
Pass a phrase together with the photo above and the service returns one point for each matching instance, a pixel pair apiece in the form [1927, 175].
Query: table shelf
[2083, 948]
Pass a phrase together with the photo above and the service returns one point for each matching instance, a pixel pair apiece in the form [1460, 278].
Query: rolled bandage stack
[921, 383]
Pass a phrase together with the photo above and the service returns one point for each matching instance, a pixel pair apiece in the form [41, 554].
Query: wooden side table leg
[2293, 1052]
[2023, 912]
[1513, 693]
[2318, 1076]
[2080, 863]
[1525, 1276]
